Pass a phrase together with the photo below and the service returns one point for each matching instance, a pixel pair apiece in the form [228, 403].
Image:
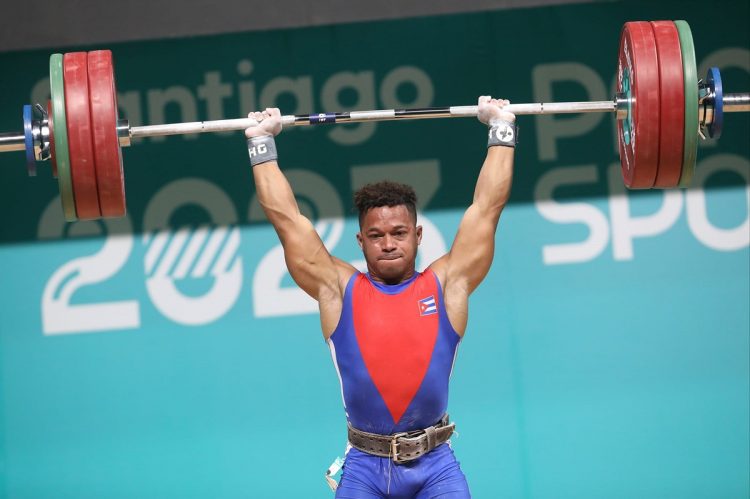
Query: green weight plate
[62, 154]
[690, 74]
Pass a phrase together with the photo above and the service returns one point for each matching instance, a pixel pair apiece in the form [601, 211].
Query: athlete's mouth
[389, 257]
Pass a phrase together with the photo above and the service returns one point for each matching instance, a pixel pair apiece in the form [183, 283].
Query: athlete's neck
[390, 280]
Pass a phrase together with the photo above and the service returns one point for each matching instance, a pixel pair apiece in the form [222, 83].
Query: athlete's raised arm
[470, 256]
[312, 267]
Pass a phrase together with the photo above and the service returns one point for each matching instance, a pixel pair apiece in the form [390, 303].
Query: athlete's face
[389, 237]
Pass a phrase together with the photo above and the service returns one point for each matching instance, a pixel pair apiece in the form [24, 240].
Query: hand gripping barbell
[661, 107]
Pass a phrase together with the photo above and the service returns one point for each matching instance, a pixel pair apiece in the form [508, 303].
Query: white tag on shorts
[332, 471]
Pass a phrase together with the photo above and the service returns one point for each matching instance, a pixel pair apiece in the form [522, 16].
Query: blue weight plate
[713, 78]
[28, 116]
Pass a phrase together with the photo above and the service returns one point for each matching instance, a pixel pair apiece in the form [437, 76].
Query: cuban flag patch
[427, 306]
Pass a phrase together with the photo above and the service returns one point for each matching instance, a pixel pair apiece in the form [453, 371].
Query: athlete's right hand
[269, 123]
[490, 110]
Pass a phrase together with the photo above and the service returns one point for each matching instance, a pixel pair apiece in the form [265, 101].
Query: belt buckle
[394, 447]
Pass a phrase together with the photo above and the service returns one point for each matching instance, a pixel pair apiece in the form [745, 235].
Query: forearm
[495, 178]
[274, 192]
[276, 196]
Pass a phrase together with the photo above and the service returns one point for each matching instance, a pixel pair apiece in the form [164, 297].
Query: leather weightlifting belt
[405, 446]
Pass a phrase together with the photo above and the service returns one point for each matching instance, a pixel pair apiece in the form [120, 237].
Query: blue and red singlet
[394, 350]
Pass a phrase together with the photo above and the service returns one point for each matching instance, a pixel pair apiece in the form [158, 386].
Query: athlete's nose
[388, 243]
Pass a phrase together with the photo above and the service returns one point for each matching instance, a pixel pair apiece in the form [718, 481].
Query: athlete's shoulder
[438, 269]
[428, 278]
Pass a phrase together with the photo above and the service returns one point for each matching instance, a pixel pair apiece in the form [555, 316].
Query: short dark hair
[385, 193]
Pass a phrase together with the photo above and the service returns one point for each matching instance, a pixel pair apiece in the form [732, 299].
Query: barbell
[660, 104]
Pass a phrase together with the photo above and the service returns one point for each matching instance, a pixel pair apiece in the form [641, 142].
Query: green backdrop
[169, 354]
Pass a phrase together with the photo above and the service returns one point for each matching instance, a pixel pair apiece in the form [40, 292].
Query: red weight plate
[107, 151]
[51, 127]
[672, 100]
[82, 168]
[638, 78]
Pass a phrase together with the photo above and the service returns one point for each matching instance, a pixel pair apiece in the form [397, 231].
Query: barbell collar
[123, 132]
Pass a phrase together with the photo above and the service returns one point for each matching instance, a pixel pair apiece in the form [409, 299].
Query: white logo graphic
[505, 133]
[60, 312]
[192, 254]
[259, 149]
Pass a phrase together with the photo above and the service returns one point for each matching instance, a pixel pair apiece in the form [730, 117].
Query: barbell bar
[660, 105]
[15, 141]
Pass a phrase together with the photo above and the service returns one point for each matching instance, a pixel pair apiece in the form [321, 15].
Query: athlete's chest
[401, 324]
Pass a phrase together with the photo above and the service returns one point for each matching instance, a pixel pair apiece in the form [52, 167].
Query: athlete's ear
[419, 235]
[360, 241]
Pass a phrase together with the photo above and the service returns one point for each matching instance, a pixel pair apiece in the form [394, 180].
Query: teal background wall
[168, 354]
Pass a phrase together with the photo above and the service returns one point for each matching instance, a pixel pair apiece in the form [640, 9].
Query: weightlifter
[392, 331]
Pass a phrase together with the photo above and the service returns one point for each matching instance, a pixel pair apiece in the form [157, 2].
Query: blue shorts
[434, 475]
